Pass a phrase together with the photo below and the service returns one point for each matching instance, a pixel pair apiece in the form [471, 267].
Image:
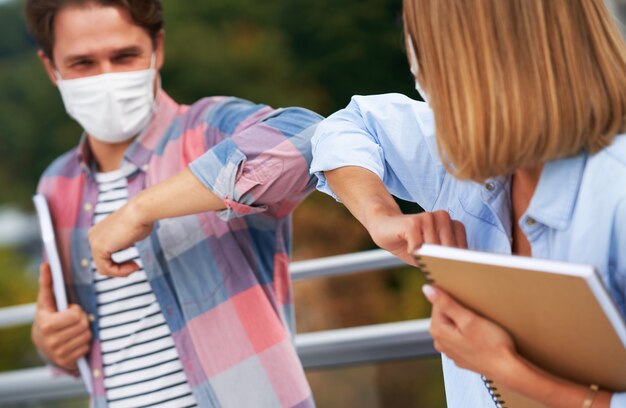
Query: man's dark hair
[41, 14]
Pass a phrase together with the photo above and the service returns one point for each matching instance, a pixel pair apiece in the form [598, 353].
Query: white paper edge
[58, 284]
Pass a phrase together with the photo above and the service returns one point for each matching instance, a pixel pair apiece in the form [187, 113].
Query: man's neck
[108, 156]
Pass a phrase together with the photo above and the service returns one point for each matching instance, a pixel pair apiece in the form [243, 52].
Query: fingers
[459, 234]
[445, 306]
[66, 355]
[401, 234]
[51, 323]
[430, 228]
[111, 236]
[69, 361]
[109, 268]
[45, 297]
[62, 337]
[445, 229]
[74, 347]
[438, 228]
[443, 327]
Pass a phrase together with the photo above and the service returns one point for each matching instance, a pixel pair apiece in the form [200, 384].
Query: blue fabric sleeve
[618, 400]
[390, 135]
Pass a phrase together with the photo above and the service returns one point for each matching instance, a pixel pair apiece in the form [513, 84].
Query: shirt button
[96, 373]
[91, 317]
[490, 186]
[84, 263]
[88, 207]
[530, 221]
[145, 167]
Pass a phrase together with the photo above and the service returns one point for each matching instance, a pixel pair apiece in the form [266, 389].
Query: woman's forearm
[363, 193]
[527, 379]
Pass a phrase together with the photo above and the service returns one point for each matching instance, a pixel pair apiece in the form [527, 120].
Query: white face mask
[415, 70]
[111, 107]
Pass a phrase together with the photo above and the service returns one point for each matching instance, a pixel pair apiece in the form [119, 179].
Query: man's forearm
[182, 194]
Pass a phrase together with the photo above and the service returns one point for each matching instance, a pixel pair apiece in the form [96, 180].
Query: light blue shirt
[577, 214]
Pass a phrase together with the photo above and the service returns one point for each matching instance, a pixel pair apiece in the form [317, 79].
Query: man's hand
[182, 194]
[62, 337]
[402, 234]
[118, 231]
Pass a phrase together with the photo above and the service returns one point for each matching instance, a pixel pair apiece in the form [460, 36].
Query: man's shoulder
[221, 112]
[229, 114]
[65, 166]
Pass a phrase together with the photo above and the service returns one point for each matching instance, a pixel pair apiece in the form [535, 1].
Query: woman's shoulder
[615, 153]
[606, 172]
[609, 164]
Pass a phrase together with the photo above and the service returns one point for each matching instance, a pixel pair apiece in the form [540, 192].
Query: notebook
[58, 284]
[560, 315]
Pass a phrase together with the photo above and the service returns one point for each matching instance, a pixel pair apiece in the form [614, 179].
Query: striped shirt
[220, 278]
[141, 364]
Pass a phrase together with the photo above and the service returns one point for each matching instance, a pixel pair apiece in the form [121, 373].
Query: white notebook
[58, 283]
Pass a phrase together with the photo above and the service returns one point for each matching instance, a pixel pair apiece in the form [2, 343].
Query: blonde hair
[516, 83]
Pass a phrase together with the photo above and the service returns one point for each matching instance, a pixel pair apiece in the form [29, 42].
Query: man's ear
[48, 65]
[159, 49]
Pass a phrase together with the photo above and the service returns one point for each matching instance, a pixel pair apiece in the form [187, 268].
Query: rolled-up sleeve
[345, 139]
[391, 135]
[263, 166]
[618, 400]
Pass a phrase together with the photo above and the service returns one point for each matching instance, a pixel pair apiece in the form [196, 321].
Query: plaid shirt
[221, 278]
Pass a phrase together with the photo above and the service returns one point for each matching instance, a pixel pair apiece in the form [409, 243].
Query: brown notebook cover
[560, 315]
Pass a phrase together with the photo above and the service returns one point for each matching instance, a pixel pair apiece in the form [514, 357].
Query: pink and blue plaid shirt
[221, 279]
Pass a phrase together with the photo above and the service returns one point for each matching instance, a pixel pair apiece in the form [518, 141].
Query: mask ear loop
[157, 93]
[415, 69]
[153, 60]
[57, 74]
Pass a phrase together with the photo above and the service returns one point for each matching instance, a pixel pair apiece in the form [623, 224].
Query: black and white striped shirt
[141, 365]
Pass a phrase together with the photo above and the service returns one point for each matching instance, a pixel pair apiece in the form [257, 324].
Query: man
[187, 311]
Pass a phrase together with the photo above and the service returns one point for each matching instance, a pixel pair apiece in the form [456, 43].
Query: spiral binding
[493, 392]
[422, 267]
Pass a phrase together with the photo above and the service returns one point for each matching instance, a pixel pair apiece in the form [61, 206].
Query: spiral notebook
[560, 315]
[58, 283]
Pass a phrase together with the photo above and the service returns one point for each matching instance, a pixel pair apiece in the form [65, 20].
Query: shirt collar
[555, 196]
[140, 151]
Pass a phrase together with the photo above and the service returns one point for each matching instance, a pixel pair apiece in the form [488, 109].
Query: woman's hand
[471, 341]
[118, 231]
[477, 344]
[403, 234]
[365, 195]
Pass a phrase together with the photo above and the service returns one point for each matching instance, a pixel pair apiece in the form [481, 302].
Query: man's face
[91, 40]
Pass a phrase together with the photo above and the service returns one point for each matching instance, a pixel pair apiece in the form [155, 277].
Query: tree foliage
[284, 52]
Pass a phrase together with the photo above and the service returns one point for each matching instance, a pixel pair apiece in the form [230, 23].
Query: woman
[527, 99]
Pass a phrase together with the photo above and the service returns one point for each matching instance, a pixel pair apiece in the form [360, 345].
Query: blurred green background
[315, 54]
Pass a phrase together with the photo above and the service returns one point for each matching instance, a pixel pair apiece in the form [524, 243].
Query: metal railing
[322, 349]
